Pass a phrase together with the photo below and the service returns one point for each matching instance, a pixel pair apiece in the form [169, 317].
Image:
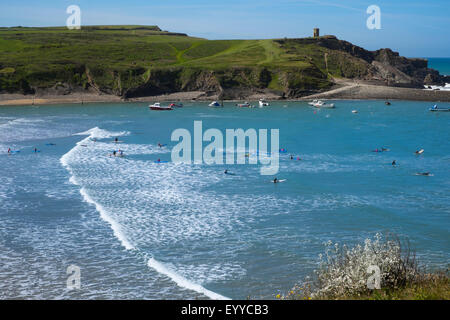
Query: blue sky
[414, 28]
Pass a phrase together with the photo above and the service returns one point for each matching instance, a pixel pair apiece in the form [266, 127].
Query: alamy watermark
[374, 280]
[74, 20]
[374, 20]
[74, 279]
[190, 150]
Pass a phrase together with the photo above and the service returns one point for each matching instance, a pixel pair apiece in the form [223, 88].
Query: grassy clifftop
[144, 60]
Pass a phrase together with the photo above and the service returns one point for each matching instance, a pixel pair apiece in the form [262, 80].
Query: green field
[119, 59]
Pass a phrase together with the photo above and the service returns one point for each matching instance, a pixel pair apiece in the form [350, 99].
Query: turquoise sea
[144, 230]
[440, 64]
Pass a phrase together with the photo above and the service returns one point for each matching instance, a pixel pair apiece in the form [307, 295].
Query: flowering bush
[343, 271]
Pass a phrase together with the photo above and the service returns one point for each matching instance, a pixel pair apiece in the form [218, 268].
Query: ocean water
[440, 64]
[144, 230]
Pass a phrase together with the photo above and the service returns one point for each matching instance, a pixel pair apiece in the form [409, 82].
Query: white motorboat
[157, 107]
[263, 103]
[321, 104]
[215, 104]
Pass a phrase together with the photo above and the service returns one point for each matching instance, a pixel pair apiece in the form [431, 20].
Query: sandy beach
[355, 90]
[343, 90]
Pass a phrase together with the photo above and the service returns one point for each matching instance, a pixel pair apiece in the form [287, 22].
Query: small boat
[157, 106]
[321, 104]
[215, 104]
[263, 103]
[244, 105]
[176, 105]
[436, 108]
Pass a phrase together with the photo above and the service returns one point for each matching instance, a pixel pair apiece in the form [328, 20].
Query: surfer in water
[116, 140]
[423, 173]
[35, 150]
[226, 171]
[394, 163]
[9, 150]
[160, 145]
[275, 180]
[292, 157]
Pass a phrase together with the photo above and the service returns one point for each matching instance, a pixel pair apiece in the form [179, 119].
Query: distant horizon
[412, 28]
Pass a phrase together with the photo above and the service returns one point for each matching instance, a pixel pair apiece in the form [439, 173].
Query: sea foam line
[116, 227]
[183, 282]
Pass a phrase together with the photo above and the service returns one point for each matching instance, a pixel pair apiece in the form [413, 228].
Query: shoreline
[344, 90]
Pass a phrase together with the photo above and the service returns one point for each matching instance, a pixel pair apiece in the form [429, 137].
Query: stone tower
[316, 32]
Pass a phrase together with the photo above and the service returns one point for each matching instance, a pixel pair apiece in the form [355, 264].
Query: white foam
[183, 282]
[101, 134]
[442, 88]
[124, 205]
[106, 217]
[23, 129]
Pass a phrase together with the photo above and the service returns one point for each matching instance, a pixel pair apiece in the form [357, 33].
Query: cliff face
[383, 66]
[135, 61]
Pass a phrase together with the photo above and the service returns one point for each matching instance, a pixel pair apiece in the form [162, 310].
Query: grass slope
[117, 58]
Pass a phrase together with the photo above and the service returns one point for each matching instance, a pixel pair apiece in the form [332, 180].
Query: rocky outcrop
[385, 65]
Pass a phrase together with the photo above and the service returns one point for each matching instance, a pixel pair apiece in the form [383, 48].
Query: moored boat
[263, 103]
[244, 105]
[215, 104]
[321, 104]
[157, 106]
